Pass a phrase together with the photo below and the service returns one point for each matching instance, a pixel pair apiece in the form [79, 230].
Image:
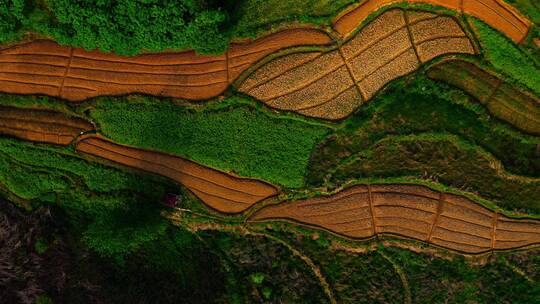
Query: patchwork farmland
[332, 85]
[371, 151]
[44, 67]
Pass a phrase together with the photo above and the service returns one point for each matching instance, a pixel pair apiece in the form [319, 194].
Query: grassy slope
[380, 141]
[98, 199]
[507, 58]
[243, 139]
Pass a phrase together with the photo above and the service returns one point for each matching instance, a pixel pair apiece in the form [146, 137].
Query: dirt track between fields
[41, 125]
[331, 85]
[496, 13]
[220, 191]
[443, 219]
[502, 100]
[44, 67]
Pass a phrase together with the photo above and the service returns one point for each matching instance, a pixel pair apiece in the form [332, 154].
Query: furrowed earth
[378, 151]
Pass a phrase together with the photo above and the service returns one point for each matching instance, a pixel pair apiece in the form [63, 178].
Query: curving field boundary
[497, 13]
[41, 125]
[502, 100]
[44, 67]
[443, 219]
[333, 84]
[220, 191]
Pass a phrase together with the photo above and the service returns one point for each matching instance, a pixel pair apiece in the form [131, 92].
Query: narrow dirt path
[407, 297]
[244, 230]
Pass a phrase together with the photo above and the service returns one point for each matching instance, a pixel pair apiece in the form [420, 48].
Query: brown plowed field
[416, 212]
[41, 125]
[218, 190]
[44, 67]
[496, 13]
[327, 85]
[502, 100]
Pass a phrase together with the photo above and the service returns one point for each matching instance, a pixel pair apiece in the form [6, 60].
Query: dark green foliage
[118, 232]
[435, 280]
[507, 58]
[124, 27]
[11, 15]
[174, 266]
[243, 139]
[369, 279]
[116, 211]
[127, 27]
[264, 270]
[252, 16]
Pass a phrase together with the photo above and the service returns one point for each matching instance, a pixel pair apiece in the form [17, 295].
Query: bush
[127, 27]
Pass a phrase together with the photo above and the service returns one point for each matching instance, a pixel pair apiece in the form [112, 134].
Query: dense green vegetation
[529, 8]
[244, 139]
[253, 16]
[434, 280]
[115, 211]
[507, 58]
[458, 149]
[175, 266]
[129, 27]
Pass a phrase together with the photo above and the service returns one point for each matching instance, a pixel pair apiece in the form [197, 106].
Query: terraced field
[41, 125]
[218, 190]
[44, 67]
[331, 85]
[496, 13]
[502, 99]
[416, 212]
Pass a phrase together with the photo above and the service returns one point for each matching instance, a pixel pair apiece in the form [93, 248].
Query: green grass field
[241, 138]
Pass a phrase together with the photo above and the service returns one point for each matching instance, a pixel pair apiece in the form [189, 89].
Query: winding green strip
[508, 58]
[502, 100]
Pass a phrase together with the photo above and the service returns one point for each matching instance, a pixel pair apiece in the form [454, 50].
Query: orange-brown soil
[332, 85]
[496, 13]
[44, 67]
[416, 212]
[41, 125]
[502, 100]
[499, 15]
[221, 191]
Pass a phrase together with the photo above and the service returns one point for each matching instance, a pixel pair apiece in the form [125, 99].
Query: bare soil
[496, 13]
[410, 211]
[41, 125]
[221, 191]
